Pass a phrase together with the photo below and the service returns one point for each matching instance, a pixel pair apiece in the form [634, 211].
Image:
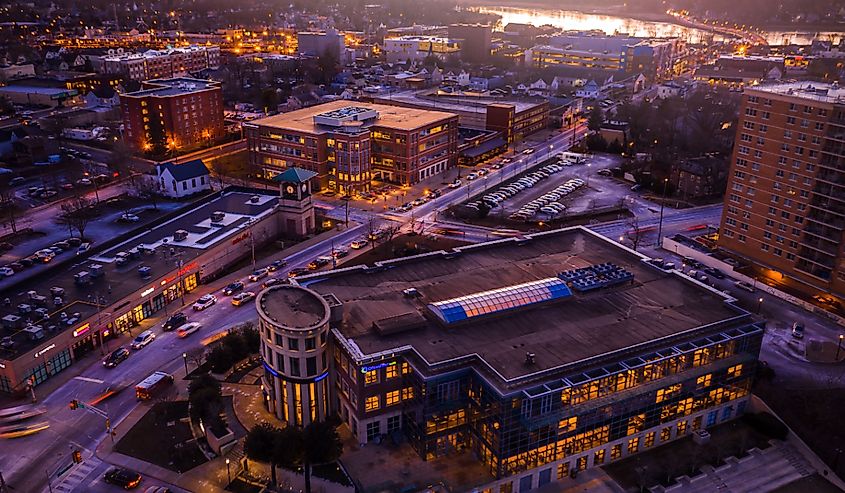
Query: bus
[152, 385]
[20, 413]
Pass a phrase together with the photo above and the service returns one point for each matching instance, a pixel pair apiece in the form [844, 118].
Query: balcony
[820, 216]
[816, 257]
[813, 269]
[823, 246]
[832, 177]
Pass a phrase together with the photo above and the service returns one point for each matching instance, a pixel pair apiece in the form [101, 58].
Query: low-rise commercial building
[543, 355]
[77, 306]
[418, 47]
[348, 144]
[172, 114]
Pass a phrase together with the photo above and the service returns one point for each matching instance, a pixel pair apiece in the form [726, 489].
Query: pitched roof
[295, 175]
[184, 171]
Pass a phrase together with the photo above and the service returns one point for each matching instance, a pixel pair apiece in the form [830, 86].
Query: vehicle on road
[530, 150]
[340, 253]
[22, 429]
[798, 330]
[187, 329]
[153, 385]
[20, 413]
[117, 357]
[319, 262]
[358, 244]
[691, 262]
[83, 182]
[158, 489]
[143, 339]
[271, 282]
[258, 274]
[125, 478]
[83, 248]
[297, 272]
[233, 288]
[472, 176]
[129, 218]
[276, 265]
[243, 298]
[714, 272]
[204, 302]
[746, 286]
[17, 181]
[507, 160]
[178, 319]
[6, 271]
[455, 184]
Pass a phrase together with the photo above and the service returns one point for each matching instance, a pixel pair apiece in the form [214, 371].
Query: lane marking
[92, 380]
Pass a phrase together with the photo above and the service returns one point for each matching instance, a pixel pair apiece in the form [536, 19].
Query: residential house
[183, 179]
[590, 90]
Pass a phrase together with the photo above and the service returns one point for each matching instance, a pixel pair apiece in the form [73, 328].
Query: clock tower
[295, 207]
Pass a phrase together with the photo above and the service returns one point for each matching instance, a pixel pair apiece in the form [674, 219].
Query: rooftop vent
[180, 235]
[530, 358]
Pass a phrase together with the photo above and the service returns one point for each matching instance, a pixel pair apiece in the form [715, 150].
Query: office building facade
[475, 40]
[785, 200]
[350, 144]
[541, 355]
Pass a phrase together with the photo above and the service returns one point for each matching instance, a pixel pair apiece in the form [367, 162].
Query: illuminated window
[392, 398]
[682, 428]
[406, 368]
[371, 377]
[599, 457]
[616, 451]
[391, 371]
[563, 470]
[372, 403]
[407, 393]
[568, 424]
[703, 381]
[666, 434]
[734, 371]
[633, 445]
[668, 392]
[649, 439]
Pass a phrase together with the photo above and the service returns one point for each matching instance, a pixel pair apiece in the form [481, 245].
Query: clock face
[290, 190]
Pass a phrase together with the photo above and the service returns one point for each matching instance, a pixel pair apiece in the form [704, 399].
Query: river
[573, 20]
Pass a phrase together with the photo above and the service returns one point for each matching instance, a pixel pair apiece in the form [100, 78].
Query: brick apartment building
[172, 114]
[162, 64]
[349, 144]
[785, 200]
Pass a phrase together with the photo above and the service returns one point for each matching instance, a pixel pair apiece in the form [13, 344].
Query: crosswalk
[71, 480]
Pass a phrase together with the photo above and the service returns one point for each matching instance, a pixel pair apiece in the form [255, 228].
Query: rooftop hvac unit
[217, 217]
[180, 235]
[254, 199]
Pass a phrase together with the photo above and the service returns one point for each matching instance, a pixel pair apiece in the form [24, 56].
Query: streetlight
[228, 474]
[185, 360]
[839, 346]
[660, 223]
[759, 303]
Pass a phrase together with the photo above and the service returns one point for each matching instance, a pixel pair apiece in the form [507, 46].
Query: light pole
[759, 303]
[228, 474]
[839, 346]
[185, 360]
[660, 222]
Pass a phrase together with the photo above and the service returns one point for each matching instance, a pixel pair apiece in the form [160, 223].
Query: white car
[746, 286]
[187, 329]
[6, 271]
[242, 298]
[143, 339]
[83, 248]
[129, 218]
[472, 176]
[455, 184]
[258, 274]
[358, 244]
[204, 302]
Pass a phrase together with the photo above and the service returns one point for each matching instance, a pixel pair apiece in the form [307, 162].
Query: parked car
[125, 478]
[83, 182]
[455, 184]
[187, 329]
[358, 244]
[747, 286]
[116, 357]
[233, 288]
[530, 150]
[6, 271]
[297, 272]
[83, 248]
[129, 218]
[143, 339]
[204, 302]
[178, 319]
[243, 298]
[340, 252]
[258, 274]
[798, 330]
[714, 272]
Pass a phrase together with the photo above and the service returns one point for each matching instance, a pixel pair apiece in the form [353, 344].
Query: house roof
[184, 171]
[295, 175]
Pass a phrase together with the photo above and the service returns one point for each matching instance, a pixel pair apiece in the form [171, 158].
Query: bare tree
[633, 232]
[390, 231]
[372, 229]
[8, 209]
[146, 187]
[76, 214]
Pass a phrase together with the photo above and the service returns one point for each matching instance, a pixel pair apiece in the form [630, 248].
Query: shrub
[220, 358]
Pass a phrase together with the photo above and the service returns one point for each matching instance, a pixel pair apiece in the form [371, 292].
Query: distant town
[395, 247]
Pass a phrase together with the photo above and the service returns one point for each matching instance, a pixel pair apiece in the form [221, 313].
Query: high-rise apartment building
[172, 114]
[785, 202]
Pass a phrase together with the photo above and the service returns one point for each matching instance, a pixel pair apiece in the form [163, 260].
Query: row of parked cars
[44, 255]
[548, 203]
[496, 197]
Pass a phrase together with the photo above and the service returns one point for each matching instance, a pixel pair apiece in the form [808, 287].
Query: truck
[153, 385]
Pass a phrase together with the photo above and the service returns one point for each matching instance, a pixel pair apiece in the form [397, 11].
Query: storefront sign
[324, 375]
[365, 369]
[43, 351]
[241, 238]
[147, 292]
[82, 329]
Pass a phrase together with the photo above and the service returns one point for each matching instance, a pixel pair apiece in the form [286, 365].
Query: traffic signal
[77, 457]
[74, 405]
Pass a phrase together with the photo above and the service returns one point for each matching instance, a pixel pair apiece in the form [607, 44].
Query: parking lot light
[839, 346]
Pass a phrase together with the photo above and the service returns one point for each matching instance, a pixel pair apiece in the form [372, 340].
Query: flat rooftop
[811, 91]
[430, 98]
[560, 331]
[173, 87]
[293, 307]
[395, 117]
[118, 282]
